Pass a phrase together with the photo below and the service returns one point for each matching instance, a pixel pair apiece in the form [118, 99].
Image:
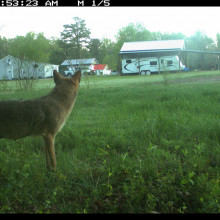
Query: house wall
[6, 69]
[48, 70]
[84, 68]
[85, 65]
[106, 71]
[3, 70]
[23, 68]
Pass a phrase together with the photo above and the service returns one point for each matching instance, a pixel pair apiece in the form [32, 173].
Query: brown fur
[42, 116]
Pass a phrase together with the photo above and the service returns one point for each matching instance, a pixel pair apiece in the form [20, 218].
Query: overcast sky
[106, 21]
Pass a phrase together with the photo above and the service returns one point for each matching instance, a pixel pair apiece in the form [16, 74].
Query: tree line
[75, 43]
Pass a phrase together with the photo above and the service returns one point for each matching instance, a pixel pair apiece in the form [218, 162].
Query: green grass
[134, 144]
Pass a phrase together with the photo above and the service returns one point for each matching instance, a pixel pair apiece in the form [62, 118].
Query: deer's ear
[56, 76]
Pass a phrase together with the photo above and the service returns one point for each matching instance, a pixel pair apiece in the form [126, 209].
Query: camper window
[153, 63]
[128, 61]
[169, 63]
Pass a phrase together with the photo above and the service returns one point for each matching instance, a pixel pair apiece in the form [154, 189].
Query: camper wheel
[145, 72]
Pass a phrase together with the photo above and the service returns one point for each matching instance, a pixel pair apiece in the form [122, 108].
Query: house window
[128, 61]
[153, 63]
[162, 61]
[35, 65]
[9, 61]
[169, 63]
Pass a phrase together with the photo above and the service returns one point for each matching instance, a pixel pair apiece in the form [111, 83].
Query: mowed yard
[132, 144]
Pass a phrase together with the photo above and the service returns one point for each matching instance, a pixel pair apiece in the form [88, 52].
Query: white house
[145, 57]
[101, 69]
[14, 68]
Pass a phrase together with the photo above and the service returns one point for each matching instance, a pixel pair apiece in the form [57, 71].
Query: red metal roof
[99, 66]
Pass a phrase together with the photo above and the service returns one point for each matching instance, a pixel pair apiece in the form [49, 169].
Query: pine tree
[75, 37]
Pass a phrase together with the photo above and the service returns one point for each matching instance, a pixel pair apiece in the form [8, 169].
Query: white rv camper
[148, 65]
[146, 57]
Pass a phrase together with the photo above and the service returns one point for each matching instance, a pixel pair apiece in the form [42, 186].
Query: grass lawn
[132, 144]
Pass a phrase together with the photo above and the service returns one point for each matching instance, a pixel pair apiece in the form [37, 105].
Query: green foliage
[3, 47]
[200, 41]
[131, 145]
[32, 46]
[56, 52]
[75, 36]
[133, 32]
[94, 48]
[109, 53]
